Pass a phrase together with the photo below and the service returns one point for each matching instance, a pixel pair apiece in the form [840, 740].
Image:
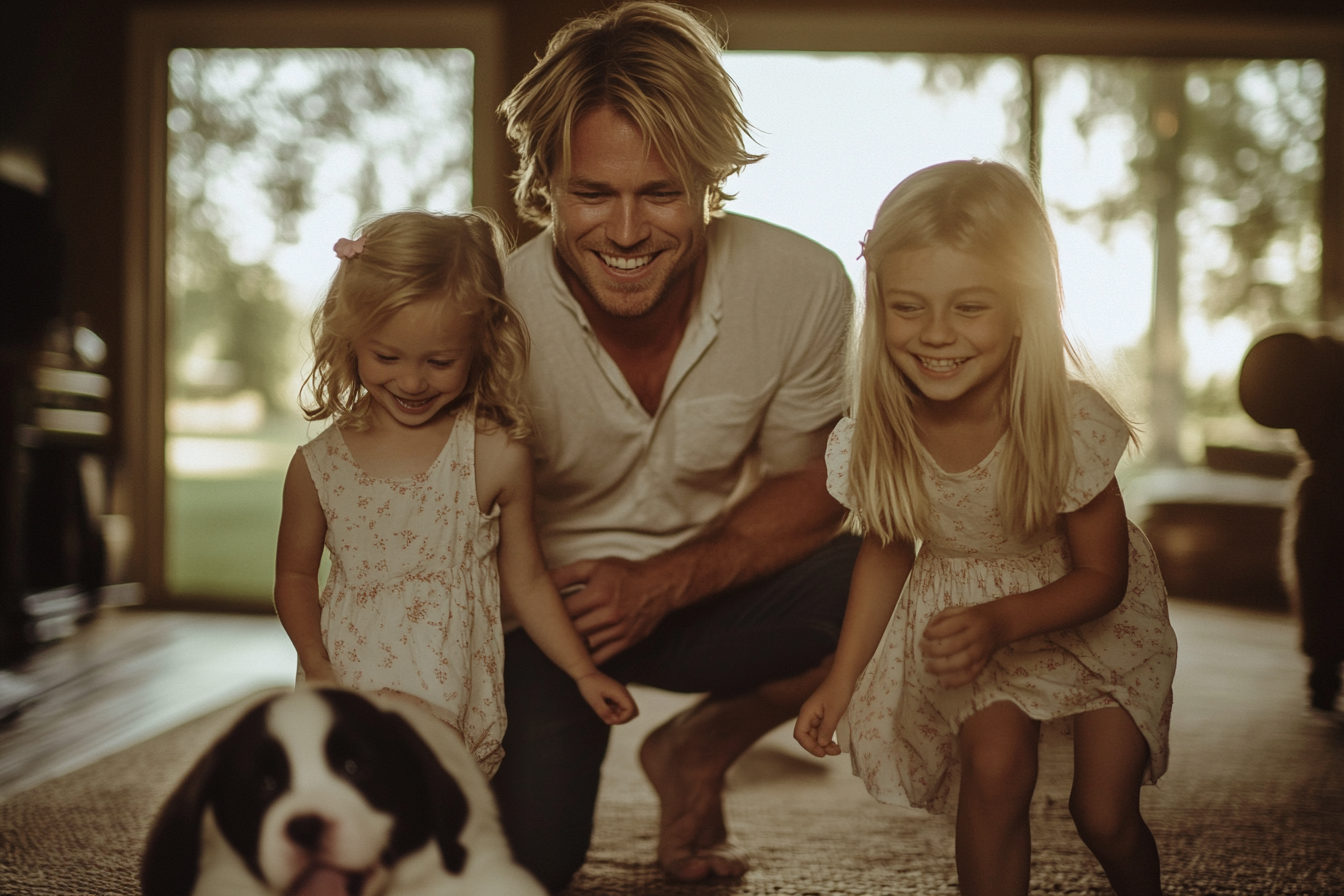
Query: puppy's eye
[269, 784]
[351, 768]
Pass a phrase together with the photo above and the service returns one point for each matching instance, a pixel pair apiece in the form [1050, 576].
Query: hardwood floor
[128, 675]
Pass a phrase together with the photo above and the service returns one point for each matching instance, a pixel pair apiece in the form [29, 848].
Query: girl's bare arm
[879, 575]
[880, 572]
[958, 642]
[527, 587]
[298, 556]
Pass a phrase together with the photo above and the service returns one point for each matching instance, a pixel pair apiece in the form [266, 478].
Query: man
[686, 370]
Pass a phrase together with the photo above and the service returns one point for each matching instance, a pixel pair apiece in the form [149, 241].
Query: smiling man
[687, 366]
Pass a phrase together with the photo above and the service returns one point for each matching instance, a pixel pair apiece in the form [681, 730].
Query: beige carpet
[1253, 802]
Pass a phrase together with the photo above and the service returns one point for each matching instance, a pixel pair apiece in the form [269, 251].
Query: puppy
[325, 792]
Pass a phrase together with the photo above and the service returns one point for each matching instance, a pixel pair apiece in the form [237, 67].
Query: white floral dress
[901, 726]
[412, 600]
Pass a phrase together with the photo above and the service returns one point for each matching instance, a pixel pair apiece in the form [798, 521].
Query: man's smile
[623, 263]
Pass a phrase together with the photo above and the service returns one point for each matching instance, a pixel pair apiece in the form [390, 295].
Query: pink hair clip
[348, 248]
[863, 243]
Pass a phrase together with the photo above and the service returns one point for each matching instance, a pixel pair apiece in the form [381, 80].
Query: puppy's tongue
[323, 881]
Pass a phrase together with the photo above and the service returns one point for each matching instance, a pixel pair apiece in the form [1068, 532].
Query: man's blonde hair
[414, 256]
[656, 63]
[989, 210]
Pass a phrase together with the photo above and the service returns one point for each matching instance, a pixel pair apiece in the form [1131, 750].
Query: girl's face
[950, 322]
[416, 363]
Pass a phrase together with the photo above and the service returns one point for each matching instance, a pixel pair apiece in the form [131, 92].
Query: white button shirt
[759, 369]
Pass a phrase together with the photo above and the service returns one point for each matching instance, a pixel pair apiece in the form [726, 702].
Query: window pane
[273, 155]
[1221, 156]
[841, 129]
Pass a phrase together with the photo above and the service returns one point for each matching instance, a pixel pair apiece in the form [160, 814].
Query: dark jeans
[547, 785]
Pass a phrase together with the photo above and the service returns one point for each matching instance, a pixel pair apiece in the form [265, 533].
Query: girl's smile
[950, 322]
[417, 363]
[412, 407]
[940, 365]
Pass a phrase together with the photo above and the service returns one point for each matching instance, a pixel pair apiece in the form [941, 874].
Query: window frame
[153, 34]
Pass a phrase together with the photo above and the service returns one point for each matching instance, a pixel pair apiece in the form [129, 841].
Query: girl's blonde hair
[414, 256]
[992, 211]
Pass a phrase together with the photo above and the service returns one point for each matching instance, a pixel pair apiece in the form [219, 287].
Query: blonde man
[686, 371]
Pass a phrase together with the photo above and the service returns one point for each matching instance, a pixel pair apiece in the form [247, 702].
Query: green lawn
[220, 531]
[221, 536]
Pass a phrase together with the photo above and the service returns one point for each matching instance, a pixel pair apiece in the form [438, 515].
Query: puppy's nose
[306, 830]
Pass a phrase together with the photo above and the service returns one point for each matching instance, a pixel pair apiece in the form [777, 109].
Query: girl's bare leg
[998, 774]
[1109, 759]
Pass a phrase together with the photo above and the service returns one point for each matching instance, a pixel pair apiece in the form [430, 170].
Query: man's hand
[617, 602]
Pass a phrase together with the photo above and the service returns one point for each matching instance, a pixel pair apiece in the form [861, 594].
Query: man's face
[627, 230]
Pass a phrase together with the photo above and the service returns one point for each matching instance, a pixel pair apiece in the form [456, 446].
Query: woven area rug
[1253, 802]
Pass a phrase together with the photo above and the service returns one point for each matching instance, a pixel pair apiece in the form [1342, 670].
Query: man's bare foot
[692, 837]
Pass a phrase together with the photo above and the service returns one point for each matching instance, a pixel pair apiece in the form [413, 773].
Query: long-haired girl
[1031, 599]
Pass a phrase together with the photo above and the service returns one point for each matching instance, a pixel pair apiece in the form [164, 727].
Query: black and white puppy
[325, 792]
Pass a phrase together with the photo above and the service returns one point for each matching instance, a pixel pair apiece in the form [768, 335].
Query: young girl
[421, 489]
[1031, 598]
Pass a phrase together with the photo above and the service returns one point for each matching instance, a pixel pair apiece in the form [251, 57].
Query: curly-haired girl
[421, 489]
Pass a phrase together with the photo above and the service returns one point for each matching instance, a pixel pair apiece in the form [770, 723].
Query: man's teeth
[942, 365]
[626, 264]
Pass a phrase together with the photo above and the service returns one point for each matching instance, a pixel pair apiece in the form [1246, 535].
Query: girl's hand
[319, 671]
[608, 698]
[958, 643]
[817, 720]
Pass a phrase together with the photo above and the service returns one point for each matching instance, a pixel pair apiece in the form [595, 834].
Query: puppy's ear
[172, 858]
[448, 803]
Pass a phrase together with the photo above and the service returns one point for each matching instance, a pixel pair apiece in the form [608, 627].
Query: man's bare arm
[784, 518]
